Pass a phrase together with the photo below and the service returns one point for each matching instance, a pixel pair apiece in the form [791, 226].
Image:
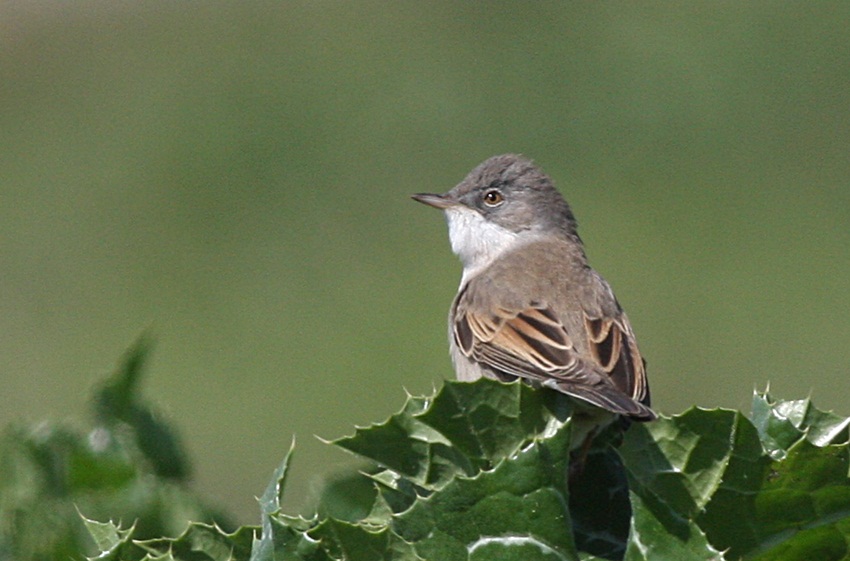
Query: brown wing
[532, 343]
[614, 349]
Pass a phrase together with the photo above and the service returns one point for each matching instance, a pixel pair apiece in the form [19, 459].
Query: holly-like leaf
[262, 548]
[107, 536]
[359, 542]
[479, 471]
[657, 532]
[462, 430]
[783, 423]
[409, 447]
[200, 541]
[773, 488]
[520, 505]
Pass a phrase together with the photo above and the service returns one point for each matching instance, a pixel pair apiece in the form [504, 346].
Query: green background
[233, 178]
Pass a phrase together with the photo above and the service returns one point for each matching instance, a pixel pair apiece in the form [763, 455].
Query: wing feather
[532, 343]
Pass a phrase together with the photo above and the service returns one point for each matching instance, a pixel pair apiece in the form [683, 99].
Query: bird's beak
[437, 201]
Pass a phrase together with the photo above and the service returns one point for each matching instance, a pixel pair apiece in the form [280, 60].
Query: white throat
[477, 241]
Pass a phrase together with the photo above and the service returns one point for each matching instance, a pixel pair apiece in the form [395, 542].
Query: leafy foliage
[129, 466]
[478, 471]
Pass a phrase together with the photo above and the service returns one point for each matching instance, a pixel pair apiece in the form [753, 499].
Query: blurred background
[234, 179]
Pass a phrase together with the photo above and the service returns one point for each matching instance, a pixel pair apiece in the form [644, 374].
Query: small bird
[529, 306]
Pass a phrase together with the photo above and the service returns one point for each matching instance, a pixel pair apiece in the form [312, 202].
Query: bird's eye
[493, 198]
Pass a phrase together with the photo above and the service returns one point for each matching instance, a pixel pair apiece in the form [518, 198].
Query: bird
[529, 305]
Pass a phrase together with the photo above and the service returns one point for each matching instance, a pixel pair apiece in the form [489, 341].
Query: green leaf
[513, 548]
[487, 421]
[351, 496]
[774, 488]
[357, 542]
[107, 536]
[49, 471]
[736, 493]
[804, 505]
[675, 465]
[683, 459]
[782, 423]
[478, 471]
[117, 405]
[657, 532]
[263, 548]
[409, 447]
[524, 497]
[200, 541]
[395, 493]
[465, 428]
